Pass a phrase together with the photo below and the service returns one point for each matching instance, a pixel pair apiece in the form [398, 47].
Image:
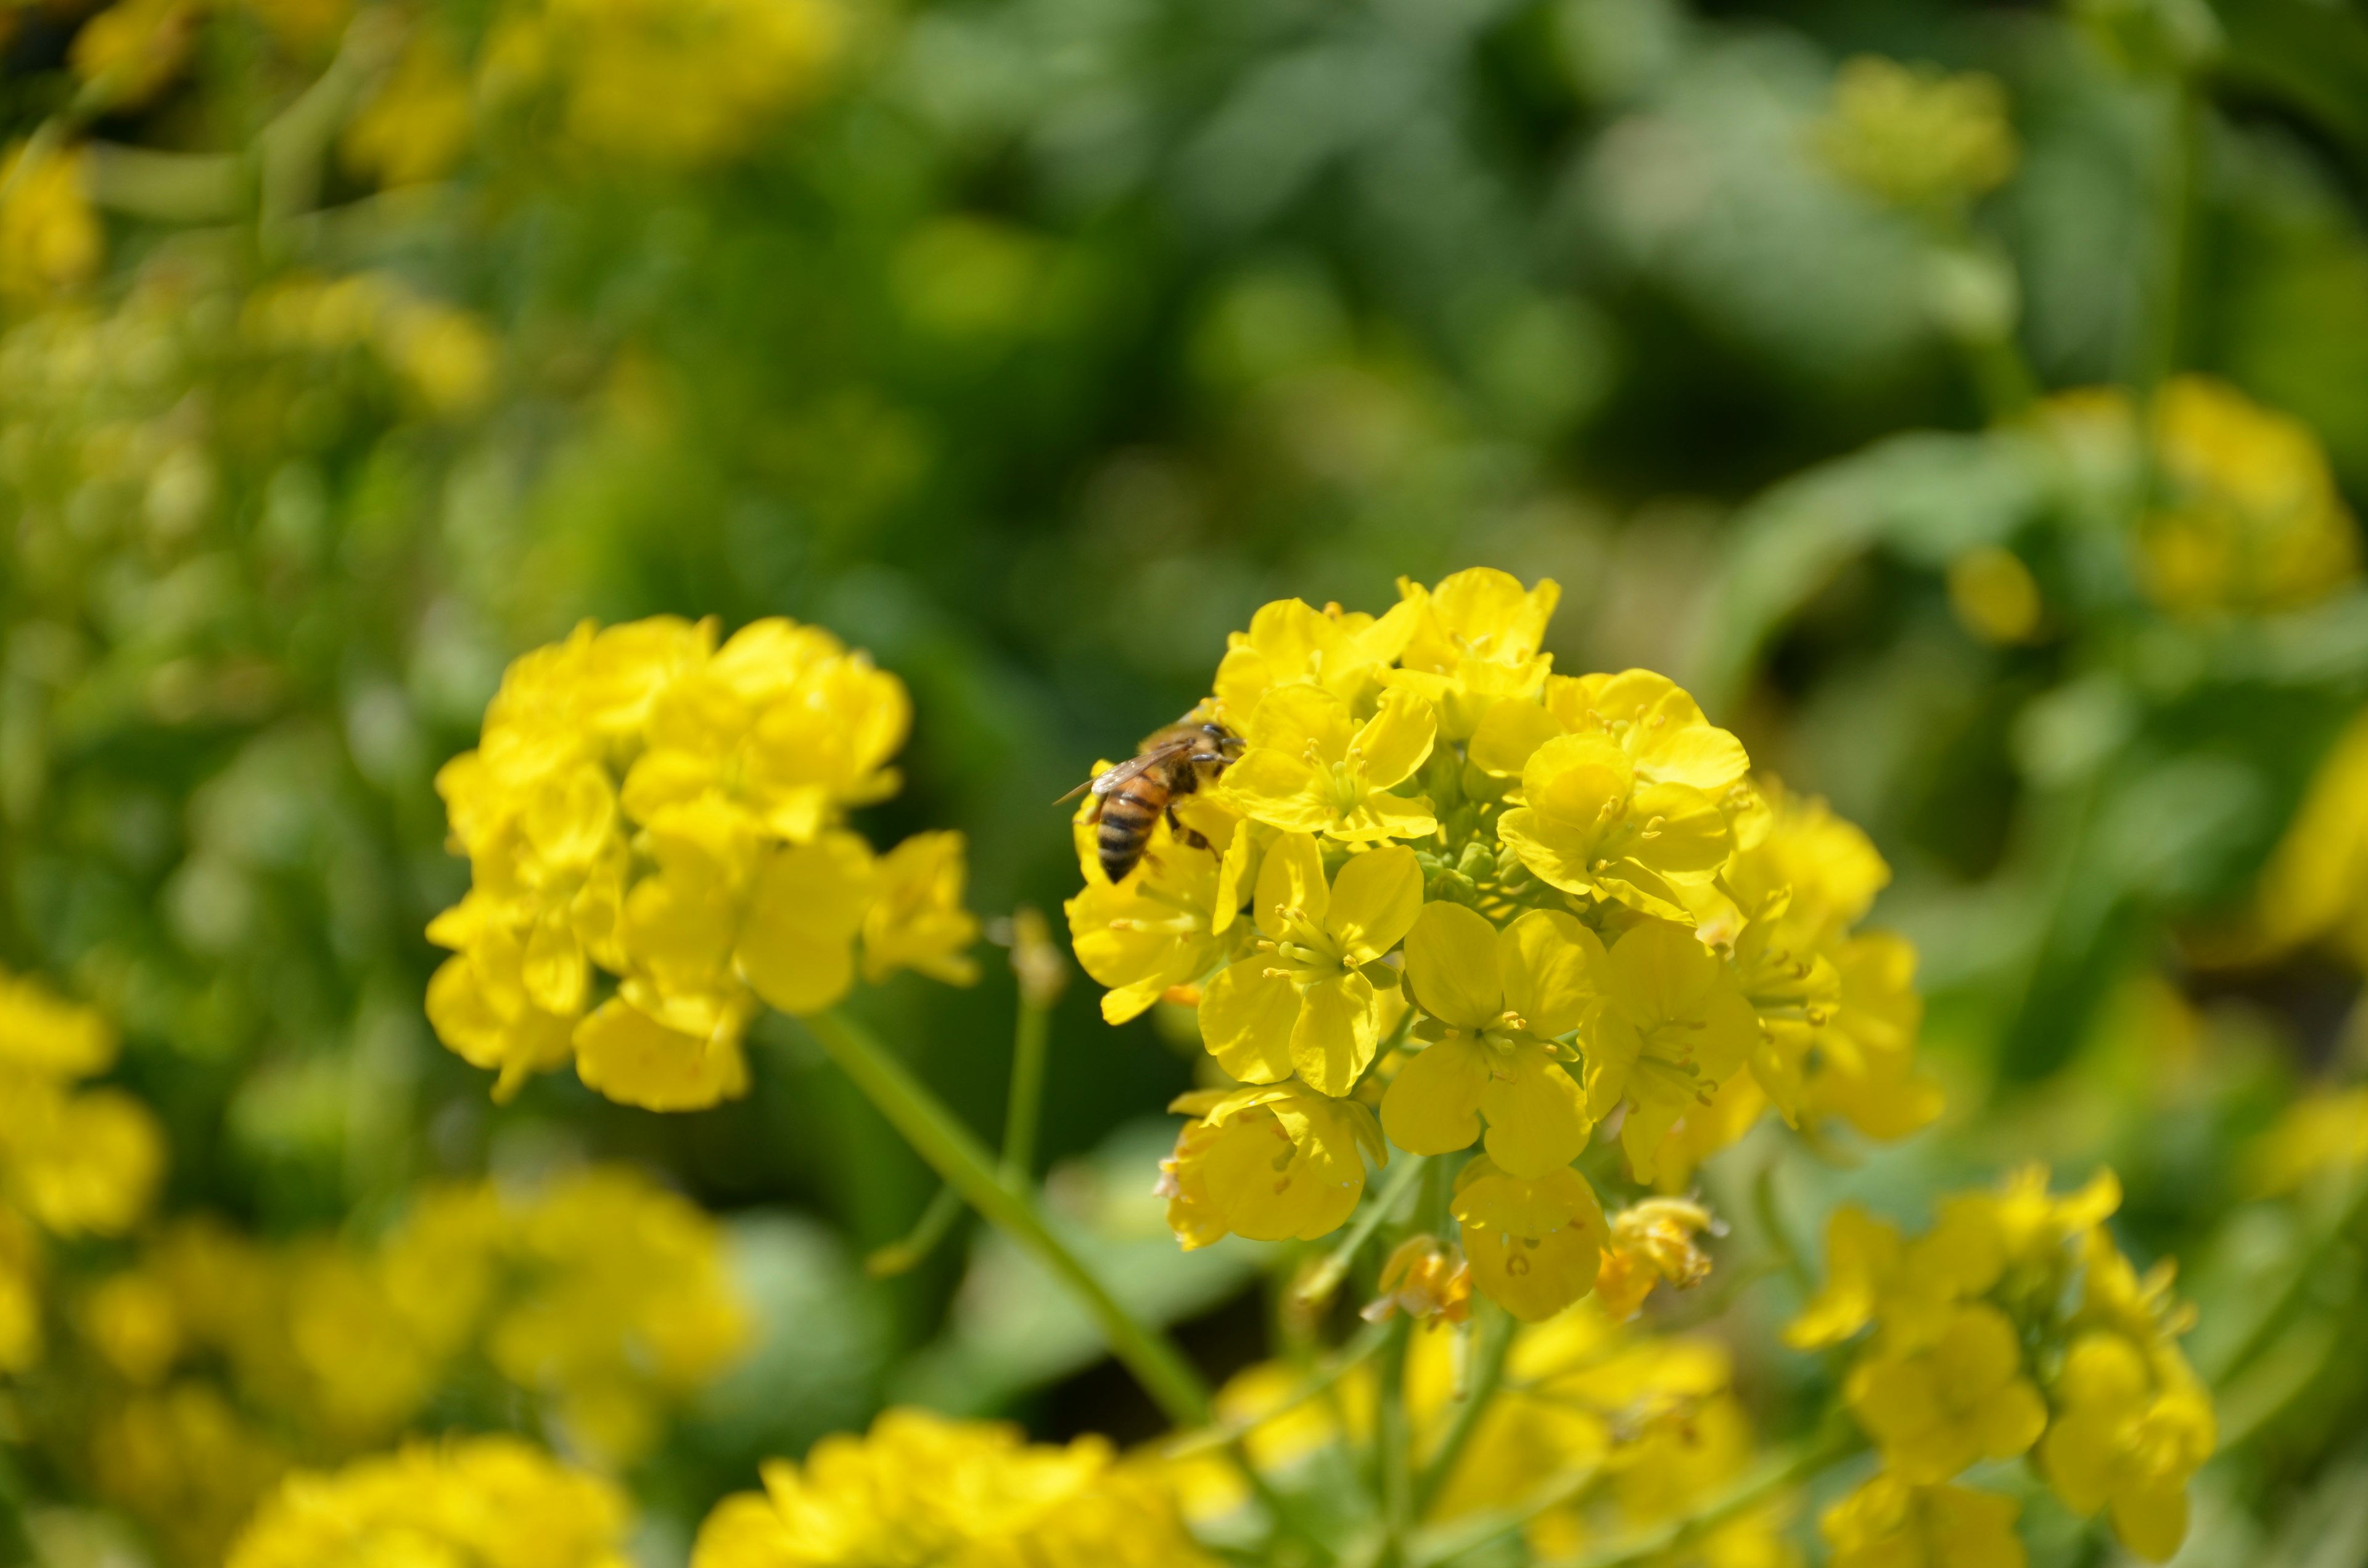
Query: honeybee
[1130, 798]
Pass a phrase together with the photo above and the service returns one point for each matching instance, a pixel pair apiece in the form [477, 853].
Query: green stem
[1779, 1472]
[1024, 1107]
[1320, 1285]
[1394, 1440]
[903, 1257]
[1498, 1331]
[956, 1156]
[1359, 1348]
[2344, 1212]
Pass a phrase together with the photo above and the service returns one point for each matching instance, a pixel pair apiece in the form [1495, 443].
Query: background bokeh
[352, 350]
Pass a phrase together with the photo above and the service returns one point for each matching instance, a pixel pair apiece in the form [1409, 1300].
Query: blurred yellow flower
[1889, 1523]
[917, 920]
[1916, 136]
[1500, 999]
[1651, 1243]
[1937, 1406]
[922, 1489]
[2125, 1440]
[1266, 1163]
[1304, 1001]
[492, 1502]
[417, 126]
[50, 239]
[128, 51]
[2325, 1130]
[1994, 596]
[668, 83]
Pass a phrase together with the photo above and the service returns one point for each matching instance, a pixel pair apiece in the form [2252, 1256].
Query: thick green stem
[1393, 1443]
[952, 1151]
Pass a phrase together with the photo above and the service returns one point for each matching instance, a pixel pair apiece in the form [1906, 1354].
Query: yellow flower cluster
[650, 807]
[671, 84]
[1501, 907]
[493, 1501]
[2248, 518]
[1915, 136]
[599, 1294]
[1982, 1349]
[1641, 1428]
[73, 1161]
[921, 1488]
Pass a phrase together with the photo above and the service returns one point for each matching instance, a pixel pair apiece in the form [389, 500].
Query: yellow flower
[1535, 1246]
[1872, 1273]
[418, 125]
[1500, 999]
[1651, 1242]
[1310, 768]
[672, 82]
[82, 1164]
[1915, 136]
[1156, 929]
[1475, 645]
[2253, 521]
[1647, 716]
[1290, 644]
[1590, 825]
[1269, 1164]
[1304, 1000]
[42, 1032]
[128, 51]
[1994, 596]
[494, 1502]
[2325, 1130]
[1673, 1028]
[2126, 1440]
[917, 920]
[1887, 1523]
[1426, 1280]
[481, 1006]
[1865, 1071]
[50, 238]
[922, 1489]
[1937, 1406]
[20, 1294]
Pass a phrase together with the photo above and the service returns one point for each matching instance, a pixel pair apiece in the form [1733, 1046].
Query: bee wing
[1110, 777]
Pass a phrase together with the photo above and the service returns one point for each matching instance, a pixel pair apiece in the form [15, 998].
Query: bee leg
[1189, 836]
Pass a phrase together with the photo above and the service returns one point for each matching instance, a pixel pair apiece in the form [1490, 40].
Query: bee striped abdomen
[1129, 813]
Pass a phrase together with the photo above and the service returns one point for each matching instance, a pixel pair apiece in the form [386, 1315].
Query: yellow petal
[1280, 788]
[631, 1058]
[1338, 1029]
[1690, 842]
[1537, 1117]
[1374, 901]
[1432, 1105]
[1551, 966]
[1397, 738]
[1291, 880]
[803, 910]
[1555, 853]
[1451, 957]
[1386, 816]
[1535, 1246]
[1510, 734]
[1578, 780]
[1301, 721]
[1246, 1017]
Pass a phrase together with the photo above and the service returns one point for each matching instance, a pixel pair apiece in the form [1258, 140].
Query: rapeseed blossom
[655, 830]
[602, 1299]
[1982, 1350]
[50, 238]
[75, 1161]
[2242, 512]
[493, 1501]
[1509, 908]
[920, 1488]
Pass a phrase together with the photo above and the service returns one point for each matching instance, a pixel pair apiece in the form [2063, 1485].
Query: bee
[1129, 799]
